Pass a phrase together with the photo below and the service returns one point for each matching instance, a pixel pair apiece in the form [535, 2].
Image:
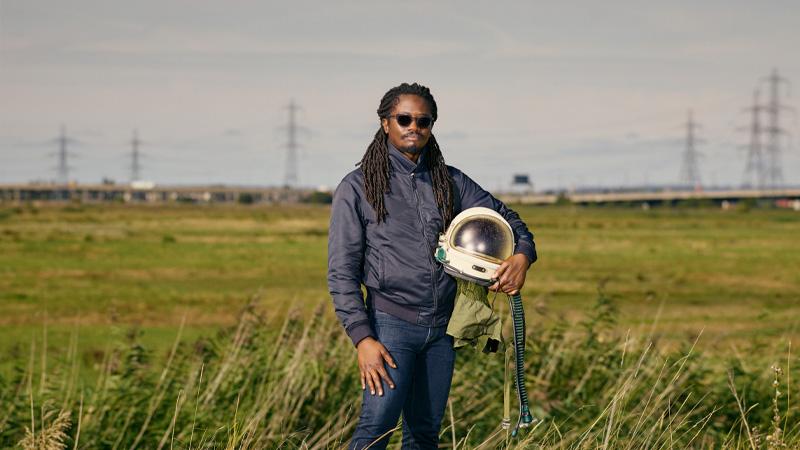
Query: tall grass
[296, 386]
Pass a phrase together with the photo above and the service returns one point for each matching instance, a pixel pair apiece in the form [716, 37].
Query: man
[385, 221]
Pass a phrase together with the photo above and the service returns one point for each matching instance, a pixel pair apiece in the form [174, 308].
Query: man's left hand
[511, 274]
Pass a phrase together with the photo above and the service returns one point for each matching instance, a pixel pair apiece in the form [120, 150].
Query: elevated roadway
[655, 197]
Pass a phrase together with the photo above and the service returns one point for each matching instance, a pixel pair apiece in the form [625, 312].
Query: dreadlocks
[375, 163]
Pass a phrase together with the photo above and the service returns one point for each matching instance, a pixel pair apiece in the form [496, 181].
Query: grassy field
[104, 290]
[733, 274]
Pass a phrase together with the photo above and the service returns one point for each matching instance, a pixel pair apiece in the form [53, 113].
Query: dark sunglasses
[404, 120]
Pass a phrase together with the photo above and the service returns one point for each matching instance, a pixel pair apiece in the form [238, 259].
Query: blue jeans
[425, 358]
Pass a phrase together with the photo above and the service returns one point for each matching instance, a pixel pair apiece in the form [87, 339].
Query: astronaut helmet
[477, 241]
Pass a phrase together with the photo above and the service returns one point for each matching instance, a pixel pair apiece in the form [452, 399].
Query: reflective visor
[483, 236]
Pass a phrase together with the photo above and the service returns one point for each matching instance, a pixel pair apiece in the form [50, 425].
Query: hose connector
[527, 419]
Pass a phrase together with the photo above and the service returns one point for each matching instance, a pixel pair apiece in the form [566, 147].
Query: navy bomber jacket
[395, 259]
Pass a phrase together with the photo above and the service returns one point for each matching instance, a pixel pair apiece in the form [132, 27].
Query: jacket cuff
[359, 332]
[528, 249]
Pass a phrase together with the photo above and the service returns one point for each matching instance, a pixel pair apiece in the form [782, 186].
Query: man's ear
[385, 125]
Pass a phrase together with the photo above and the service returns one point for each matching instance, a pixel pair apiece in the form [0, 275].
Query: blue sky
[585, 93]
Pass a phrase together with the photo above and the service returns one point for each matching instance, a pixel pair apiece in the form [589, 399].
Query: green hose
[518, 320]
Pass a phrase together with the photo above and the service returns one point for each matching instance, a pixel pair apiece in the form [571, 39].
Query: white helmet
[477, 241]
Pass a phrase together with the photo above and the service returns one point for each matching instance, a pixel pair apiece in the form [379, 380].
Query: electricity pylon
[754, 171]
[63, 154]
[690, 174]
[774, 171]
[136, 166]
[292, 145]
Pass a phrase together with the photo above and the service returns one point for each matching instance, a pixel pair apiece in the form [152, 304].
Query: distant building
[521, 184]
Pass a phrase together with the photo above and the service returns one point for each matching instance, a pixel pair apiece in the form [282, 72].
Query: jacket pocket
[381, 270]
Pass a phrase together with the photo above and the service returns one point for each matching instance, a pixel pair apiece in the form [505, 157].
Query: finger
[363, 381]
[386, 377]
[502, 283]
[501, 270]
[376, 381]
[494, 287]
[388, 358]
[516, 285]
[510, 286]
[370, 382]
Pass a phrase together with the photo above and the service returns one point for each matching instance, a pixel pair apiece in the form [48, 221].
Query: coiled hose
[518, 319]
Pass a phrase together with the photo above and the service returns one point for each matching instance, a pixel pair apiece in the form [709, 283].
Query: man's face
[409, 139]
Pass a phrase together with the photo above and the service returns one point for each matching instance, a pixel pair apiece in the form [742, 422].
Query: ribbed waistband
[409, 313]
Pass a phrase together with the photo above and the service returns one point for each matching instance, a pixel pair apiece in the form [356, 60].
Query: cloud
[166, 41]
[561, 87]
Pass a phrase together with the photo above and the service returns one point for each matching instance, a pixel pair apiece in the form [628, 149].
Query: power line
[690, 174]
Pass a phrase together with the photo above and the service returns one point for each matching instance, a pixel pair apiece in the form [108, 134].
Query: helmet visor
[485, 237]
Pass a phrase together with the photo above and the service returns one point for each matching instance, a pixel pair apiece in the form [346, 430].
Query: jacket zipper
[430, 256]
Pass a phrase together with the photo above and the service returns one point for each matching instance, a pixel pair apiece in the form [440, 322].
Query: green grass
[100, 267]
[107, 286]
[731, 273]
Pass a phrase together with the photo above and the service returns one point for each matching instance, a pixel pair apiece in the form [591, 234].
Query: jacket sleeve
[472, 194]
[346, 243]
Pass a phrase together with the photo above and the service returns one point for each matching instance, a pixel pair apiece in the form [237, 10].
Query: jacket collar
[404, 165]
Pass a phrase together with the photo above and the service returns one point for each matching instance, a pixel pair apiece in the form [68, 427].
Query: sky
[571, 93]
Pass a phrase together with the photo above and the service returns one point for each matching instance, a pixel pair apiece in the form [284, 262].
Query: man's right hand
[371, 355]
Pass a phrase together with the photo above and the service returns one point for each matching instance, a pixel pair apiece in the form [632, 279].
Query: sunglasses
[405, 120]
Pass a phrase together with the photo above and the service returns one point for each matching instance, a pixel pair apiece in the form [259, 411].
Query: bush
[246, 198]
[320, 197]
[563, 199]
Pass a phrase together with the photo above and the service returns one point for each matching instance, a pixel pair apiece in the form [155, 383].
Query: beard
[412, 148]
